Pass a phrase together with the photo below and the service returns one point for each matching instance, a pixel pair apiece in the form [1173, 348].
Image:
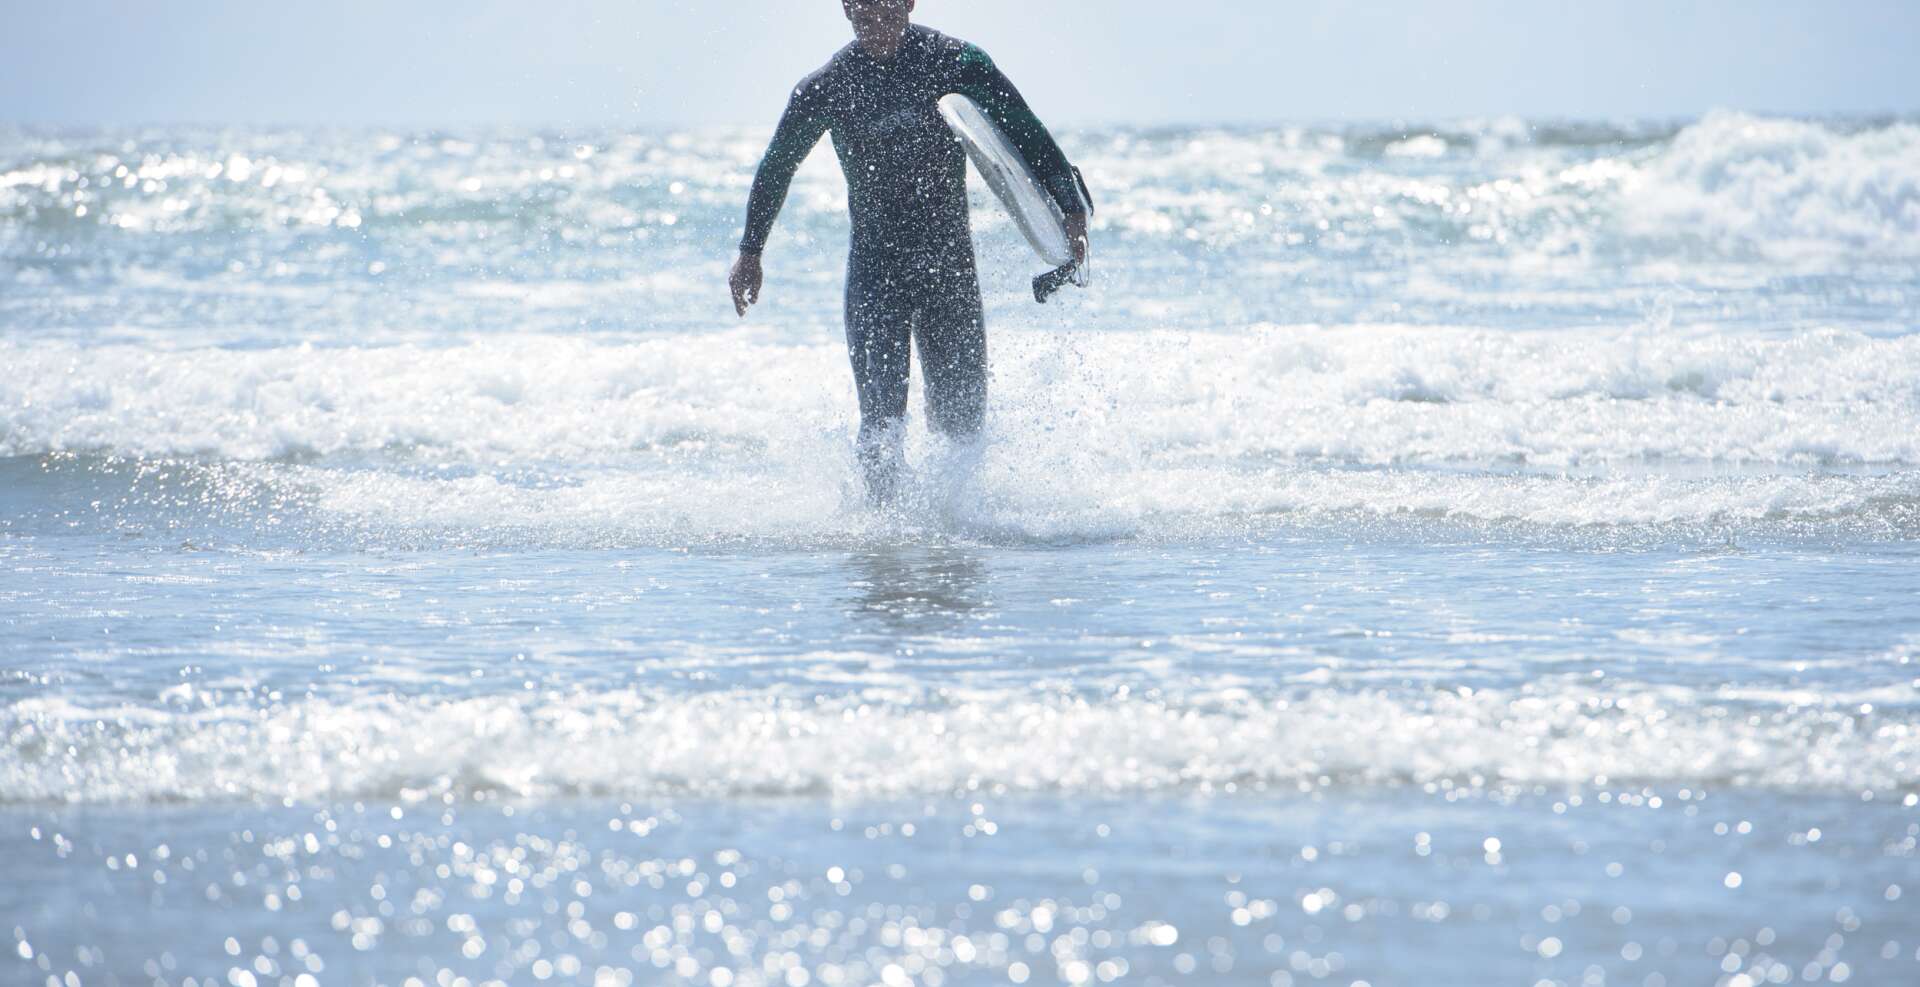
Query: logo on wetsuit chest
[908, 118]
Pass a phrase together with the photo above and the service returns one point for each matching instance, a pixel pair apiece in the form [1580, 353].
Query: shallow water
[1474, 554]
[1370, 886]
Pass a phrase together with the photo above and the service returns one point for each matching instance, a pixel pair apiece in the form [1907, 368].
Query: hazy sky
[581, 63]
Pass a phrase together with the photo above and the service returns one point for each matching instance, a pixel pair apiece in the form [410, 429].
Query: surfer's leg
[951, 334]
[879, 327]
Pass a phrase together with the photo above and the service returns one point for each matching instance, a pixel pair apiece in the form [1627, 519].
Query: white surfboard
[1007, 174]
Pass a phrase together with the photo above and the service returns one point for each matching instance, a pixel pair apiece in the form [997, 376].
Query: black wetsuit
[911, 274]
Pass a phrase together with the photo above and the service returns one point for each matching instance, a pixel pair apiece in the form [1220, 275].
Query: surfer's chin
[880, 26]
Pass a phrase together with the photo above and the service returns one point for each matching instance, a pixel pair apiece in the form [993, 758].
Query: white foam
[1728, 183]
[1010, 501]
[531, 399]
[1422, 146]
[730, 435]
[1784, 187]
[1728, 186]
[1365, 394]
[637, 744]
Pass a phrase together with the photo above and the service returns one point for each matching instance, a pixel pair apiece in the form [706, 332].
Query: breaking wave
[626, 743]
[1117, 435]
[1784, 187]
[1360, 395]
[1729, 182]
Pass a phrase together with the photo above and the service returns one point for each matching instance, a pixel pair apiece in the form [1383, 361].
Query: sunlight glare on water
[1480, 547]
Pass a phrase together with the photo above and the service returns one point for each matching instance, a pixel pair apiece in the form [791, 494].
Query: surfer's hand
[744, 281]
[1077, 235]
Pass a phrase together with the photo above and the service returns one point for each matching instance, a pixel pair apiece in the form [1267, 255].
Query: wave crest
[1784, 187]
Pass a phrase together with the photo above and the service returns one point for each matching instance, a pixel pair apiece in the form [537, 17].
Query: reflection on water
[917, 589]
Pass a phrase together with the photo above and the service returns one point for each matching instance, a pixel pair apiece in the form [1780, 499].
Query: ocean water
[1462, 554]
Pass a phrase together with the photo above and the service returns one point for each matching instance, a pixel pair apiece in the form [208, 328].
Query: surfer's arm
[983, 82]
[800, 128]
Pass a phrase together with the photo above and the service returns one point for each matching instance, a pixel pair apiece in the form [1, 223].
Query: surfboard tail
[1046, 285]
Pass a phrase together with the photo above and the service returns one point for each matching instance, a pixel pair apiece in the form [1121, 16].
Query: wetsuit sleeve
[983, 82]
[800, 128]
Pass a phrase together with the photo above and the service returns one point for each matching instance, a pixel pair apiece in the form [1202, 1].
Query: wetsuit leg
[880, 316]
[951, 335]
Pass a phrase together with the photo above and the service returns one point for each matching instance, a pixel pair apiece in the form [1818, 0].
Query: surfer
[910, 273]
